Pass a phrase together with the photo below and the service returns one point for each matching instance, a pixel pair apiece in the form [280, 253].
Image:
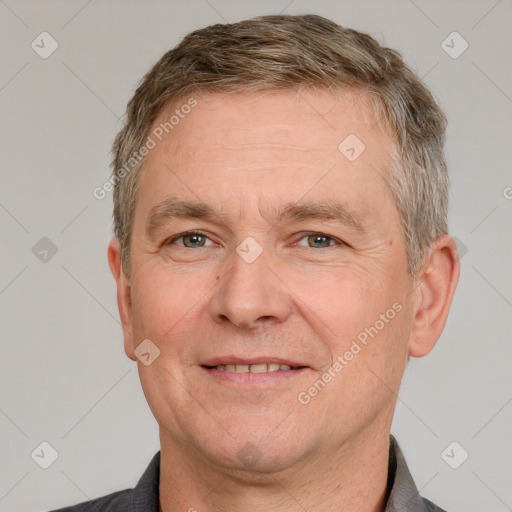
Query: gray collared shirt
[403, 496]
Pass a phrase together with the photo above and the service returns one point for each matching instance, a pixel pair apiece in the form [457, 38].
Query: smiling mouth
[254, 368]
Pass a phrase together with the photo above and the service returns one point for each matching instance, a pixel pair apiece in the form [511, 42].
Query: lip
[244, 380]
[222, 360]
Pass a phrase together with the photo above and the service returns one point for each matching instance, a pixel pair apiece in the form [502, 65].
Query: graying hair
[279, 53]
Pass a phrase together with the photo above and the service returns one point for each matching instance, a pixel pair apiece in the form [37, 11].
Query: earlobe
[437, 282]
[124, 303]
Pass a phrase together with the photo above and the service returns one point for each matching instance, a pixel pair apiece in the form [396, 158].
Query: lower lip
[254, 379]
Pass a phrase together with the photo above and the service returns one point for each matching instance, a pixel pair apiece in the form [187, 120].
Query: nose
[251, 294]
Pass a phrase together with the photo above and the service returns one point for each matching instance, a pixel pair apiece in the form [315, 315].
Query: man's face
[299, 251]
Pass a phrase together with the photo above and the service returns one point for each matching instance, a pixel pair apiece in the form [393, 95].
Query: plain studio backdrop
[68, 69]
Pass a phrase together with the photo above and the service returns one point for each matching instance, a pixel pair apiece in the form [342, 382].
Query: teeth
[253, 368]
[259, 368]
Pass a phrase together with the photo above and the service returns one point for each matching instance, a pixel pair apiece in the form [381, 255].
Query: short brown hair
[276, 53]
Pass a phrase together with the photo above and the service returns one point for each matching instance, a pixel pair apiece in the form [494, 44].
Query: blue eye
[317, 240]
[197, 239]
[191, 240]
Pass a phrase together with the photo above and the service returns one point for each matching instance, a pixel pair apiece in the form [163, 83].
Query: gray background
[64, 378]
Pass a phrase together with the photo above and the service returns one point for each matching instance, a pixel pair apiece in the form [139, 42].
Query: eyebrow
[173, 208]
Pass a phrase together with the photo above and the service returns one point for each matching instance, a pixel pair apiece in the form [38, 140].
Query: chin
[265, 451]
[252, 461]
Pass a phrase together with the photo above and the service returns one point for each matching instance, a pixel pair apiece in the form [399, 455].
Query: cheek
[163, 301]
[344, 301]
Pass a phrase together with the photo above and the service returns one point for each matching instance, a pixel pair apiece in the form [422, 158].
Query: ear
[437, 281]
[124, 302]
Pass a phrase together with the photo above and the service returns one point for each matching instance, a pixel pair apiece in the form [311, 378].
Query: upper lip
[223, 360]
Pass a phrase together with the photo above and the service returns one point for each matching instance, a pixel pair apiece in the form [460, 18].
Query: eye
[197, 239]
[191, 240]
[318, 240]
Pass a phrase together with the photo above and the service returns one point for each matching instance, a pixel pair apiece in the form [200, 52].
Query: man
[281, 250]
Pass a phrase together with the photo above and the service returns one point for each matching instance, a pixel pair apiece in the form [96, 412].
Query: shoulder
[142, 498]
[403, 493]
[432, 507]
[114, 502]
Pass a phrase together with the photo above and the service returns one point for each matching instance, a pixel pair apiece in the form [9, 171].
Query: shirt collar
[145, 493]
[403, 494]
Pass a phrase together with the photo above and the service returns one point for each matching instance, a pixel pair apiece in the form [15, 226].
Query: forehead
[234, 145]
[314, 121]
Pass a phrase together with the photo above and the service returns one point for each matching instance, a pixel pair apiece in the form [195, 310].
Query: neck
[351, 478]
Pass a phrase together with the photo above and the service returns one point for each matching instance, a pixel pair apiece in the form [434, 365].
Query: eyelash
[181, 235]
[303, 235]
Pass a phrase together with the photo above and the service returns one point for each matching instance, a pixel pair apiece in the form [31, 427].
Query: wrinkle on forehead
[266, 145]
[227, 136]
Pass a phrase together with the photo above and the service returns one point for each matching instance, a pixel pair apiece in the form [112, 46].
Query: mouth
[260, 371]
[262, 367]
